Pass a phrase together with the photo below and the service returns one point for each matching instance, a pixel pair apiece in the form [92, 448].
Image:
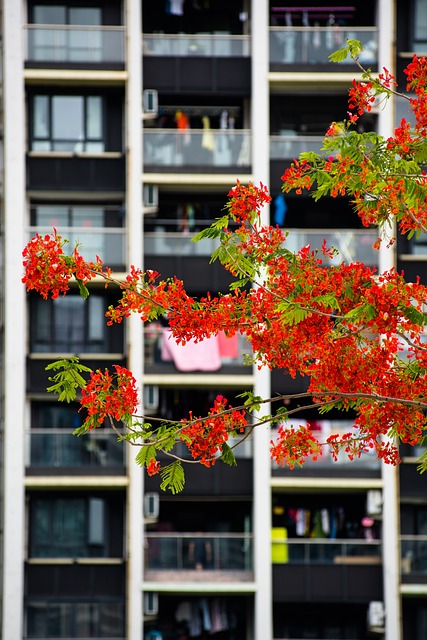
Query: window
[67, 123]
[68, 528]
[65, 44]
[72, 325]
[75, 619]
[98, 229]
[420, 25]
[52, 445]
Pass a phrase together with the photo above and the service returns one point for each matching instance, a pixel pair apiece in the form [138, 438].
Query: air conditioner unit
[151, 397]
[151, 505]
[151, 101]
[151, 603]
[151, 195]
[374, 503]
[376, 617]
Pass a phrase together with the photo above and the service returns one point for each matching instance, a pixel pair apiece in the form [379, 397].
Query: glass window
[75, 619]
[59, 528]
[69, 325]
[67, 123]
[420, 22]
[47, 14]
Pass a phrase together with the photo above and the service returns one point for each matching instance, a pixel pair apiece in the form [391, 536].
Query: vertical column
[260, 126]
[390, 475]
[134, 329]
[14, 318]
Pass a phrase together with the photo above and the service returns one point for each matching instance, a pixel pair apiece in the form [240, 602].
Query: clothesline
[209, 110]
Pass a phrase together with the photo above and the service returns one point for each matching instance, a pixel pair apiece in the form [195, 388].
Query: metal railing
[313, 45]
[213, 45]
[59, 448]
[353, 245]
[290, 145]
[108, 243]
[189, 551]
[196, 147]
[321, 551]
[413, 551]
[82, 44]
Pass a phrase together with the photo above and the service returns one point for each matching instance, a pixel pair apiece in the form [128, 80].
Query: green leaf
[413, 315]
[67, 380]
[145, 454]
[292, 312]
[227, 455]
[340, 55]
[173, 477]
[84, 291]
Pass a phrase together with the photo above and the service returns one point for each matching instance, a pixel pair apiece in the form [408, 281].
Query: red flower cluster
[246, 202]
[360, 97]
[205, 437]
[109, 394]
[294, 445]
[48, 270]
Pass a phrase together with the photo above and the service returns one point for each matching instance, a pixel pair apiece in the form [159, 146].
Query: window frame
[63, 144]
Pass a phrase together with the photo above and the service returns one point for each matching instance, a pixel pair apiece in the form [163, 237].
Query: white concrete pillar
[134, 328]
[14, 318]
[260, 125]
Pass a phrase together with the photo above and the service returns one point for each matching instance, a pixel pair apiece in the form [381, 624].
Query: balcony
[414, 558]
[88, 46]
[367, 464]
[353, 245]
[107, 243]
[289, 145]
[197, 557]
[162, 354]
[54, 450]
[217, 45]
[326, 570]
[305, 48]
[201, 150]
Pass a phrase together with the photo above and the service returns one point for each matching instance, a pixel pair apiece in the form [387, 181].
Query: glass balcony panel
[353, 245]
[414, 554]
[322, 429]
[313, 45]
[104, 242]
[196, 147]
[91, 44]
[289, 551]
[200, 44]
[288, 145]
[60, 449]
[189, 551]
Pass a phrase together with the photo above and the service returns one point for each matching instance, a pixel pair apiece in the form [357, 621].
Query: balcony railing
[218, 45]
[60, 449]
[289, 145]
[355, 551]
[413, 554]
[194, 551]
[313, 45]
[322, 429]
[108, 243]
[196, 147]
[82, 44]
[219, 351]
[353, 245]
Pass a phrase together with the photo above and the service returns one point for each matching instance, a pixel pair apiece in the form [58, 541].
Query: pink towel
[200, 356]
[228, 347]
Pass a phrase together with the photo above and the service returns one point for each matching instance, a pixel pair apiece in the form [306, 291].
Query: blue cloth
[280, 209]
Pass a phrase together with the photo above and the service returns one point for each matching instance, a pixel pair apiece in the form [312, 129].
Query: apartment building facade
[126, 122]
